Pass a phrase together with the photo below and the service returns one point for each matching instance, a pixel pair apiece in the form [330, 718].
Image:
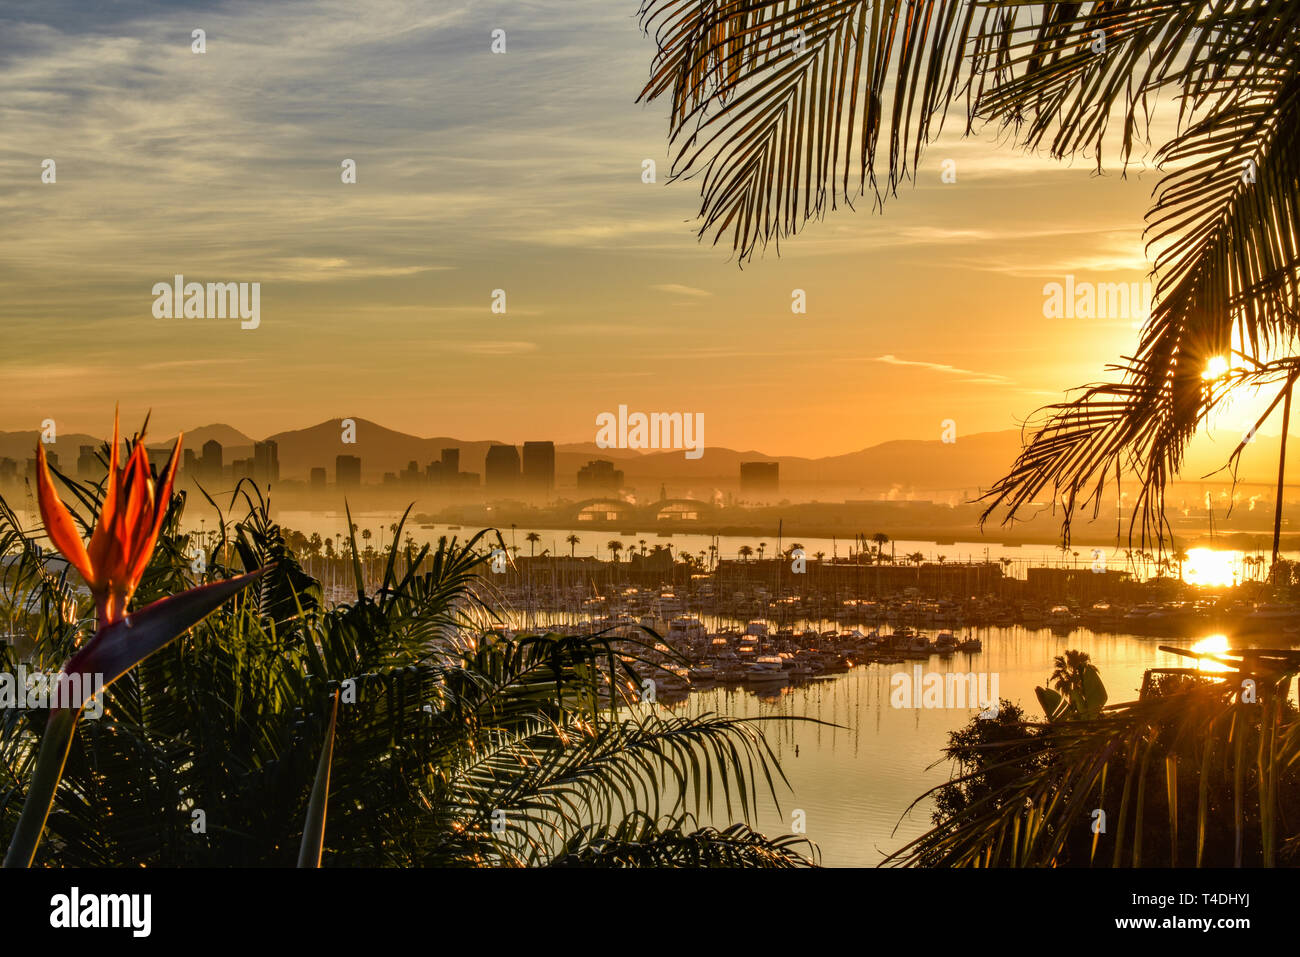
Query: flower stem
[55, 745]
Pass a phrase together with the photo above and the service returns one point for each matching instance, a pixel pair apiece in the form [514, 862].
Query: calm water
[855, 782]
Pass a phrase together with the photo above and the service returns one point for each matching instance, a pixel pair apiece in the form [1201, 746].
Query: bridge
[664, 512]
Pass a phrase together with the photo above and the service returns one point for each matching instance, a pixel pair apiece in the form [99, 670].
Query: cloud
[681, 290]
[979, 377]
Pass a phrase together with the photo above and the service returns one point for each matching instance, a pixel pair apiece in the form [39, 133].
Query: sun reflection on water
[1213, 645]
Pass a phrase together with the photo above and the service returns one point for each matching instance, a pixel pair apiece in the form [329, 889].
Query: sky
[476, 172]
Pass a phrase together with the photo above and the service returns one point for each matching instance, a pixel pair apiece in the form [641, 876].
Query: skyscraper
[760, 477]
[266, 462]
[501, 469]
[539, 466]
[347, 471]
[211, 466]
[450, 466]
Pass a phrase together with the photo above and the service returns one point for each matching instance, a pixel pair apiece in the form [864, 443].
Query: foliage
[454, 744]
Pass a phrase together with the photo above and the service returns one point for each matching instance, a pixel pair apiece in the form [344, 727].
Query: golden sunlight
[1216, 367]
[1208, 567]
[1213, 645]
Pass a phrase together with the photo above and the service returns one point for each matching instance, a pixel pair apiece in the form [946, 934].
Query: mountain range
[907, 466]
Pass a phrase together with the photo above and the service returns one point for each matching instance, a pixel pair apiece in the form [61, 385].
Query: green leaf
[313, 829]
[1050, 701]
[112, 652]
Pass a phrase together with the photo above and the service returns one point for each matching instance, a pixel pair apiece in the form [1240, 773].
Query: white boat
[767, 668]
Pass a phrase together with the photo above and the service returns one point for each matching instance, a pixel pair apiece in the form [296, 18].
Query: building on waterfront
[501, 469]
[539, 467]
[211, 464]
[189, 464]
[761, 478]
[266, 462]
[317, 480]
[600, 475]
[243, 469]
[347, 471]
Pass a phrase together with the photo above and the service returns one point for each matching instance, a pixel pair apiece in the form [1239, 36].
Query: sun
[1209, 567]
[1216, 367]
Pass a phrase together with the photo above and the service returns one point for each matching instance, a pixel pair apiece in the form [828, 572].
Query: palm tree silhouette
[572, 541]
[785, 111]
[532, 538]
[744, 552]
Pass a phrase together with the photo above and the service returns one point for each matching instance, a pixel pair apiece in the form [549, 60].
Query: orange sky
[479, 172]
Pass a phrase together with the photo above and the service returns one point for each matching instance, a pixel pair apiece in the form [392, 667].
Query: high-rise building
[266, 462]
[501, 468]
[318, 480]
[347, 471]
[450, 465]
[539, 466]
[411, 474]
[88, 465]
[760, 477]
[433, 473]
[211, 466]
[8, 470]
[190, 464]
[242, 469]
[600, 475]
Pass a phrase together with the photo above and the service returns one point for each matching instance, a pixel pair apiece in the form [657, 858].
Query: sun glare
[1209, 567]
[1213, 645]
[1217, 366]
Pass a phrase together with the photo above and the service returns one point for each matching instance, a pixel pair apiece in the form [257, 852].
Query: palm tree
[573, 541]
[779, 111]
[532, 538]
[642, 544]
[614, 546]
[453, 745]
[881, 540]
[744, 552]
[761, 547]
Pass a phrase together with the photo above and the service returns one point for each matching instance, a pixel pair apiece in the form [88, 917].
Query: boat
[970, 645]
[766, 669]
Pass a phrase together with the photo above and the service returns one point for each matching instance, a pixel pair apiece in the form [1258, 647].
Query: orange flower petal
[58, 520]
[162, 500]
[99, 541]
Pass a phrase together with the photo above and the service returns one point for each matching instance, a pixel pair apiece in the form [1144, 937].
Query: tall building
[242, 469]
[539, 466]
[760, 477]
[88, 465]
[211, 466]
[501, 469]
[266, 462]
[317, 480]
[600, 475]
[8, 470]
[411, 475]
[189, 464]
[450, 465]
[347, 471]
[433, 473]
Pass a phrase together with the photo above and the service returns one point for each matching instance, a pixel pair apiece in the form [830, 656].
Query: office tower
[88, 465]
[211, 466]
[539, 466]
[450, 465]
[501, 469]
[266, 462]
[318, 480]
[760, 477]
[600, 475]
[347, 471]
